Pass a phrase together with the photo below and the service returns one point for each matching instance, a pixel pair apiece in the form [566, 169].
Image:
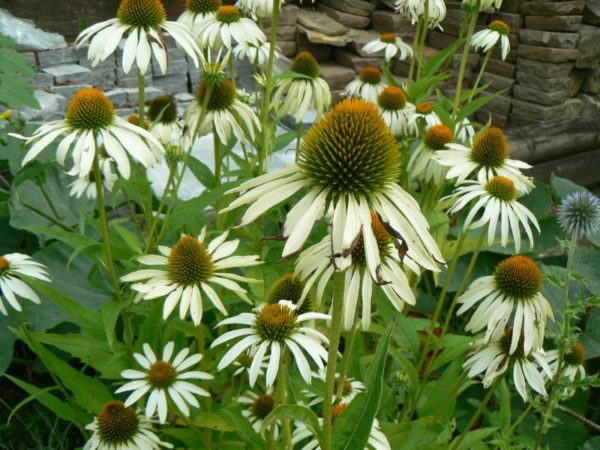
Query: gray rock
[336, 76]
[497, 119]
[556, 8]
[544, 69]
[26, 35]
[346, 19]
[472, 61]
[497, 83]
[66, 55]
[125, 112]
[588, 55]
[544, 84]
[591, 14]
[287, 48]
[590, 103]
[52, 106]
[354, 7]
[322, 53]
[31, 58]
[554, 39]
[320, 23]
[103, 78]
[316, 37]
[183, 97]
[150, 94]
[174, 66]
[353, 61]
[553, 23]
[170, 84]
[547, 54]
[499, 104]
[569, 108]
[68, 74]
[69, 90]
[118, 96]
[391, 22]
[502, 68]
[591, 83]
[42, 81]
[538, 96]
[287, 16]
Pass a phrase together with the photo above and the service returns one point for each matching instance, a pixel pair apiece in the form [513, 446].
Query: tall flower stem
[422, 38]
[142, 99]
[449, 396]
[565, 328]
[465, 56]
[334, 340]
[345, 363]
[416, 39]
[298, 138]
[282, 397]
[232, 72]
[217, 154]
[163, 198]
[484, 64]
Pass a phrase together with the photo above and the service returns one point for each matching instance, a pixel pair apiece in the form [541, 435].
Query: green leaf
[15, 91]
[505, 409]
[476, 104]
[283, 140]
[110, 314]
[243, 428]
[421, 90]
[7, 340]
[352, 428]
[128, 237]
[591, 338]
[77, 241]
[214, 421]
[202, 172]
[561, 187]
[539, 200]
[437, 391]
[434, 63]
[475, 437]
[299, 413]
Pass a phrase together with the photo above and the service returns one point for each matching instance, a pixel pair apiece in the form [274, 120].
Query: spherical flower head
[500, 27]
[437, 136]
[490, 148]
[424, 108]
[228, 14]
[203, 6]
[502, 188]
[392, 98]
[370, 75]
[346, 386]
[89, 109]
[161, 375]
[289, 287]
[189, 262]
[275, 321]
[117, 424]
[305, 63]
[164, 107]
[222, 95]
[518, 277]
[576, 357]
[133, 119]
[351, 150]
[142, 13]
[579, 214]
[263, 405]
[388, 38]
[383, 238]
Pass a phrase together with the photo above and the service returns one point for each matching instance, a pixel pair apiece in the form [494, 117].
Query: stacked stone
[388, 21]
[546, 81]
[351, 13]
[286, 30]
[588, 58]
[176, 77]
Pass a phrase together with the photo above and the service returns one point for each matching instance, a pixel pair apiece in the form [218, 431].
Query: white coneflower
[579, 214]
[228, 27]
[350, 388]
[87, 186]
[291, 288]
[486, 157]
[225, 114]
[348, 163]
[144, 21]
[197, 11]
[90, 119]
[165, 125]
[294, 95]
[463, 129]
[164, 378]
[376, 441]
[118, 427]
[268, 332]
[514, 290]
[257, 9]
[422, 117]
[572, 366]
[13, 266]
[421, 165]
[494, 359]
[497, 200]
[483, 4]
[391, 44]
[395, 110]
[317, 265]
[367, 86]
[415, 9]
[496, 31]
[256, 408]
[255, 53]
[189, 269]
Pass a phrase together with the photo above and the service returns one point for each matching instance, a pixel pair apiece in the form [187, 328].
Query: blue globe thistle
[579, 214]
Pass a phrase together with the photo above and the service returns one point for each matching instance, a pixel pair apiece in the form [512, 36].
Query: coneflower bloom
[255, 53]
[268, 332]
[119, 427]
[579, 214]
[496, 31]
[228, 27]
[486, 157]
[494, 359]
[13, 266]
[87, 185]
[497, 200]
[415, 9]
[226, 115]
[349, 163]
[513, 291]
[421, 165]
[295, 94]
[257, 9]
[144, 21]
[165, 125]
[483, 4]
[395, 110]
[391, 44]
[376, 441]
[90, 121]
[423, 116]
[291, 288]
[164, 378]
[573, 367]
[197, 11]
[256, 408]
[186, 271]
[350, 389]
[367, 86]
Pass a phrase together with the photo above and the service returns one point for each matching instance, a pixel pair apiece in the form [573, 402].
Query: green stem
[345, 363]
[298, 138]
[232, 72]
[477, 414]
[142, 99]
[451, 394]
[411, 67]
[49, 201]
[217, 155]
[465, 56]
[163, 198]
[516, 423]
[282, 397]
[484, 64]
[424, 30]
[334, 340]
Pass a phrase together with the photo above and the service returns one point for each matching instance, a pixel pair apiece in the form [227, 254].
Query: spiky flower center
[173, 155]
[189, 262]
[506, 341]
[346, 386]
[306, 64]
[388, 38]
[222, 95]
[4, 265]
[275, 322]
[229, 14]
[133, 119]
[202, 6]
[424, 108]
[337, 410]
[518, 277]
[392, 98]
[142, 13]
[579, 213]
[90, 109]
[576, 357]
[288, 287]
[437, 136]
[263, 405]
[351, 150]
[161, 375]
[370, 75]
[500, 27]
[502, 188]
[383, 238]
[117, 424]
[490, 149]
[163, 107]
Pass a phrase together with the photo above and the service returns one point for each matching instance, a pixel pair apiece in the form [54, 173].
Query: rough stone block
[321, 53]
[346, 19]
[31, 58]
[544, 84]
[82, 59]
[287, 16]
[174, 66]
[103, 78]
[68, 74]
[288, 48]
[591, 84]
[496, 82]
[353, 61]
[544, 69]
[502, 68]
[569, 108]
[391, 22]
[171, 84]
[547, 54]
[336, 76]
[68, 91]
[118, 96]
[538, 96]
[472, 60]
[42, 80]
[66, 55]
[355, 7]
[554, 39]
[286, 33]
[125, 112]
[183, 97]
[590, 103]
[360, 38]
[149, 94]
[554, 23]
[588, 55]
[321, 23]
[52, 107]
[500, 104]
[440, 40]
[487, 115]
[555, 8]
